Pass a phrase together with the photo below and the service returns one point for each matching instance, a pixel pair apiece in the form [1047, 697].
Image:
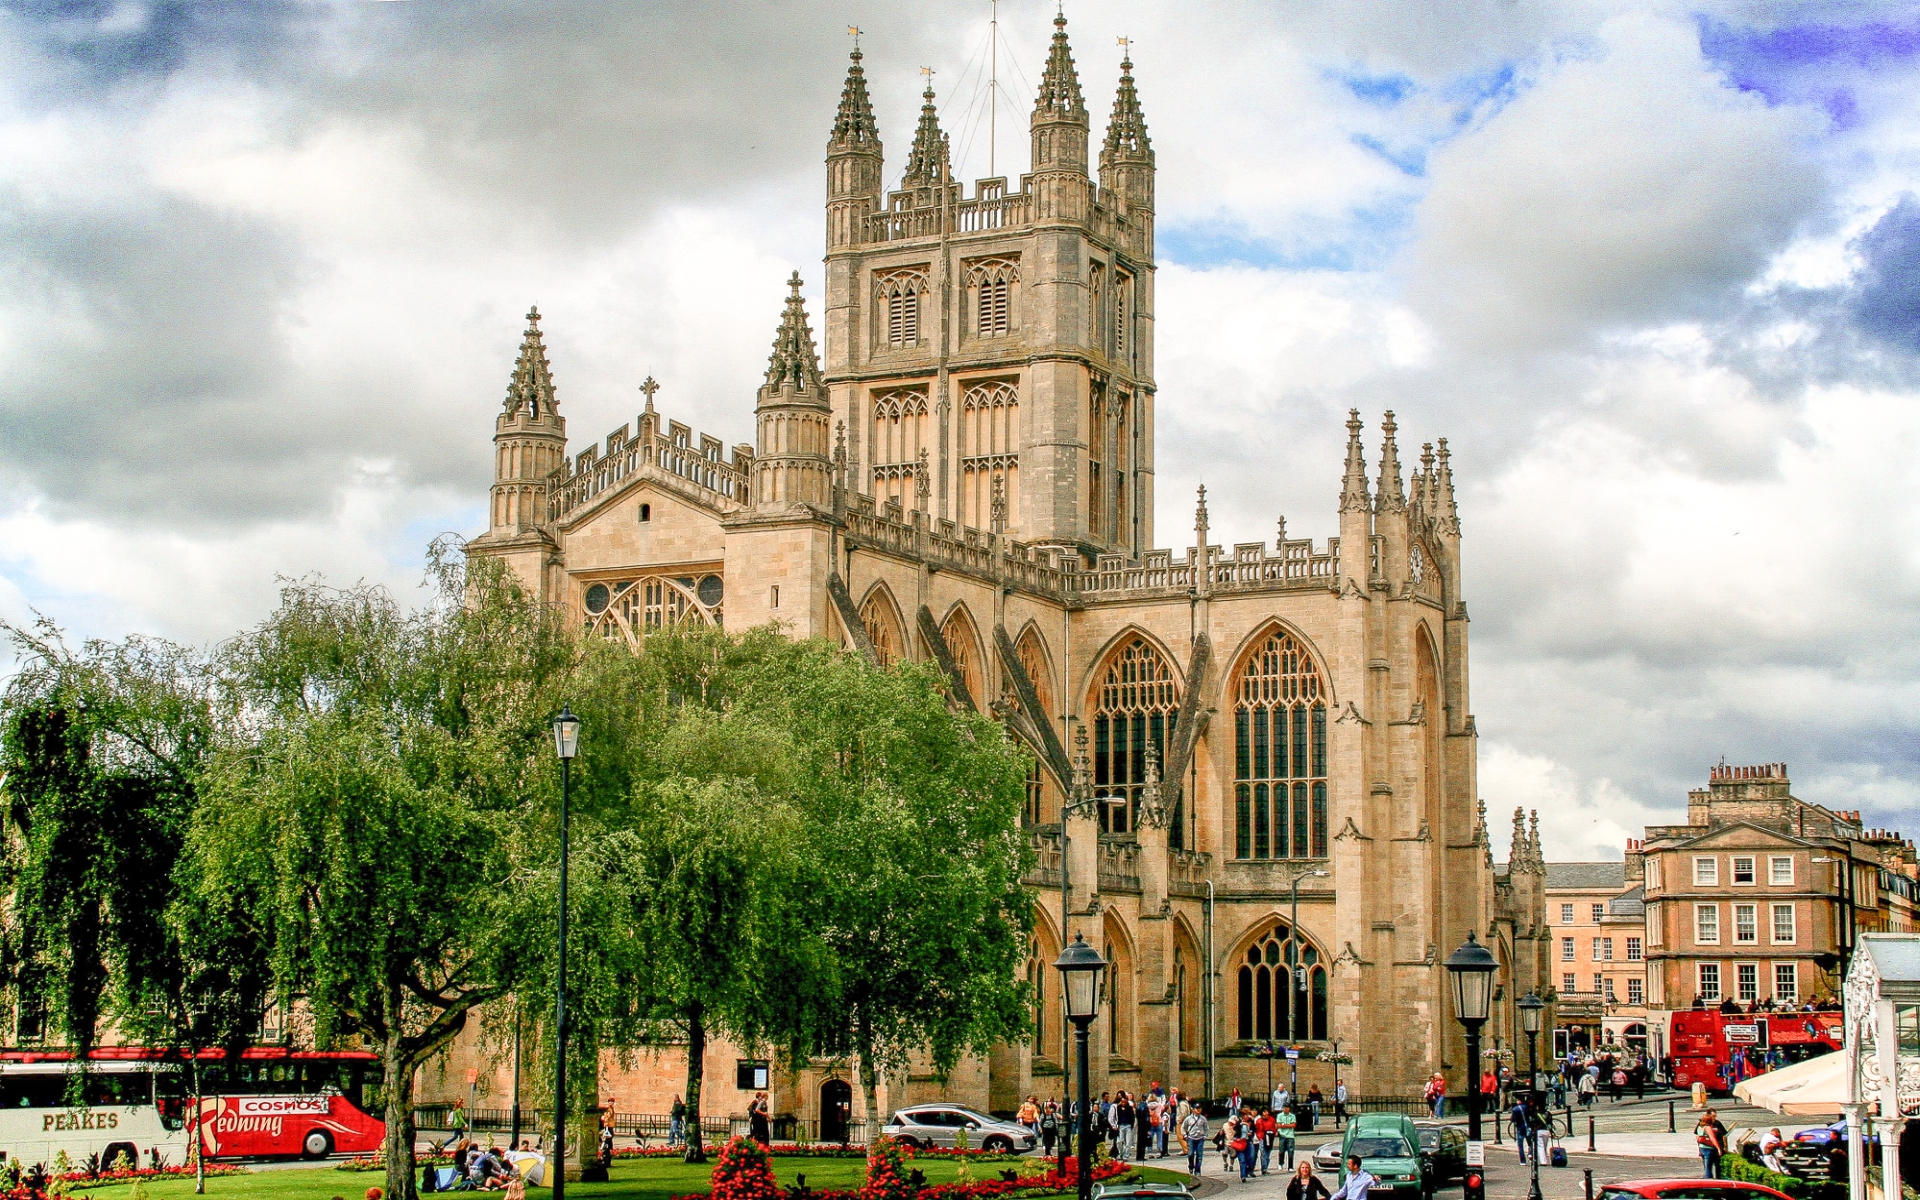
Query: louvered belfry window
[991, 280]
[899, 294]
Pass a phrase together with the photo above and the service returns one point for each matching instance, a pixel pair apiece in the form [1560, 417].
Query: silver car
[942, 1125]
[1326, 1159]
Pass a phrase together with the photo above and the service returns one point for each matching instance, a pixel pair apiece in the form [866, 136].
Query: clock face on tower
[1416, 565]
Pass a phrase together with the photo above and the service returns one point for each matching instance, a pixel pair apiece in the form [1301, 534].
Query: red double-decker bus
[136, 1101]
[1704, 1042]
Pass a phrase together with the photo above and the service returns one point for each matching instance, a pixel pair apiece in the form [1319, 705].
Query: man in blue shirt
[1357, 1183]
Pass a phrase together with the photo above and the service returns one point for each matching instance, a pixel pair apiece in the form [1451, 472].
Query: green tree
[376, 811]
[100, 751]
[909, 816]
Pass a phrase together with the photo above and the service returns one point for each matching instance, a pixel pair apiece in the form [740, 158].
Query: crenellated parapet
[720, 482]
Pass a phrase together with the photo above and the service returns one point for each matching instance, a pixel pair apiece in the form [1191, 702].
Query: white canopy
[1814, 1088]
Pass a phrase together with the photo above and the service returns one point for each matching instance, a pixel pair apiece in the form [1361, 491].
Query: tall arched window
[1033, 657]
[989, 450]
[1138, 700]
[899, 441]
[1280, 754]
[883, 628]
[964, 645]
[1271, 1003]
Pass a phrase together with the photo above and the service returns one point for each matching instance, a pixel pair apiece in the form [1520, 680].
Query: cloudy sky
[1654, 270]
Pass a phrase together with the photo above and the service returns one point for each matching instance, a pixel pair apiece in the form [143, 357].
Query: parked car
[1688, 1189]
[1443, 1150]
[1820, 1153]
[1387, 1146]
[942, 1124]
[1327, 1160]
[1141, 1191]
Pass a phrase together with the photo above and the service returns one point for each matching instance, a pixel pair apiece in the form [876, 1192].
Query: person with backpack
[1049, 1127]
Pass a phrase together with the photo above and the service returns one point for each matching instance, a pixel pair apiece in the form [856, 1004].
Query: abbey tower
[966, 476]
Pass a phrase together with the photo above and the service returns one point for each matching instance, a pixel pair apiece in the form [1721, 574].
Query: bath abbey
[1247, 757]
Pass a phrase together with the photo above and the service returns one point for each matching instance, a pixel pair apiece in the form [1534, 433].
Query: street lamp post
[1266, 1052]
[1296, 1006]
[1080, 965]
[566, 742]
[1471, 968]
[1530, 1006]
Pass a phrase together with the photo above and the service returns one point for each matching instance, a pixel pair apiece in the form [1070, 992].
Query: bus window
[170, 1098]
[33, 1091]
[116, 1090]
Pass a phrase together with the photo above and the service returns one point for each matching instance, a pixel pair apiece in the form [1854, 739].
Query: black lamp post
[1471, 968]
[1530, 1006]
[566, 742]
[1080, 965]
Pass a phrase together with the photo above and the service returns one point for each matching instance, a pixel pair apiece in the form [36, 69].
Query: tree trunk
[696, 1069]
[397, 1074]
[869, 1082]
[199, 1138]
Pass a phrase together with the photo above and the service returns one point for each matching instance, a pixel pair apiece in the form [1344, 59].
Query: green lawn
[633, 1179]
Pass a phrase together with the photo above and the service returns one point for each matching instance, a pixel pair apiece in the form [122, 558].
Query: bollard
[1670, 1128]
[1589, 1182]
[1589, 1135]
[1496, 1127]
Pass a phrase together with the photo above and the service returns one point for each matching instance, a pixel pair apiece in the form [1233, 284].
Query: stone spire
[1423, 480]
[1060, 97]
[1444, 509]
[530, 441]
[531, 388]
[1535, 858]
[1127, 139]
[794, 366]
[1353, 490]
[854, 162]
[793, 462]
[853, 125]
[1517, 852]
[928, 163]
[1059, 126]
[1389, 495]
[1200, 522]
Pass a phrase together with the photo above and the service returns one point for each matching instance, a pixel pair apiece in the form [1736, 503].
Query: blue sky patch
[1364, 241]
[1383, 90]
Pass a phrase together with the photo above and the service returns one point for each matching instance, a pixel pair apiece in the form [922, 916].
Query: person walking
[676, 1121]
[1314, 1101]
[456, 1124]
[1193, 1127]
[1522, 1118]
[1711, 1136]
[1619, 1082]
[1340, 1104]
[1142, 1128]
[1305, 1185]
[1436, 1095]
[1266, 1130]
[1249, 1145]
[1586, 1089]
[1049, 1127]
[1358, 1183]
[1285, 1122]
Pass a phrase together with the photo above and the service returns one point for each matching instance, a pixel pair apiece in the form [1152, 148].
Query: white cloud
[1631, 183]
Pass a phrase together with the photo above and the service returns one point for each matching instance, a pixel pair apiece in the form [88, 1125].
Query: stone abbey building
[966, 475]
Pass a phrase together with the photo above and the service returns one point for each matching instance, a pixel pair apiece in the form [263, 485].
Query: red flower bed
[825, 1150]
[133, 1173]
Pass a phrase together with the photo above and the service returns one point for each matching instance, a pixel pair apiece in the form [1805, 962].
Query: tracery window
[1272, 1003]
[883, 628]
[628, 608]
[899, 440]
[1280, 754]
[1034, 660]
[1122, 310]
[990, 281]
[1138, 700]
[899, 294]
[989, 447]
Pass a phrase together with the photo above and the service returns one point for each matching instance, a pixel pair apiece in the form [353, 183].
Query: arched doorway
[836, 1110]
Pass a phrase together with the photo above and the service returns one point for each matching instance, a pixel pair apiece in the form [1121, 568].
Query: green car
[1388, 1146]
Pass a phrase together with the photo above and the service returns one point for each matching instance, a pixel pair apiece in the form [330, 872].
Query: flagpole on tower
[993, 85]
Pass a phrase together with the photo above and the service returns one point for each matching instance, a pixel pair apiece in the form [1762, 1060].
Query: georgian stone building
[967, 476]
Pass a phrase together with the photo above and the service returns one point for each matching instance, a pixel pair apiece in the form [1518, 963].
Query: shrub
[1734, 1166]
[744, 1172]
[886, 1173]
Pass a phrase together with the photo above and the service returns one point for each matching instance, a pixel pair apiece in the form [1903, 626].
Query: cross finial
[649, 387]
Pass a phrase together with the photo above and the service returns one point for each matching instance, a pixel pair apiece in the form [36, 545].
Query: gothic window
[990, 281]
[899, 294]
[1137, 701]
[1273, 1002]
[1122, 312]
[883, 628]
[1280, 754]
[899, 438]
[962, 643]
[627, 609]
[1098, 432]
[989, 449]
